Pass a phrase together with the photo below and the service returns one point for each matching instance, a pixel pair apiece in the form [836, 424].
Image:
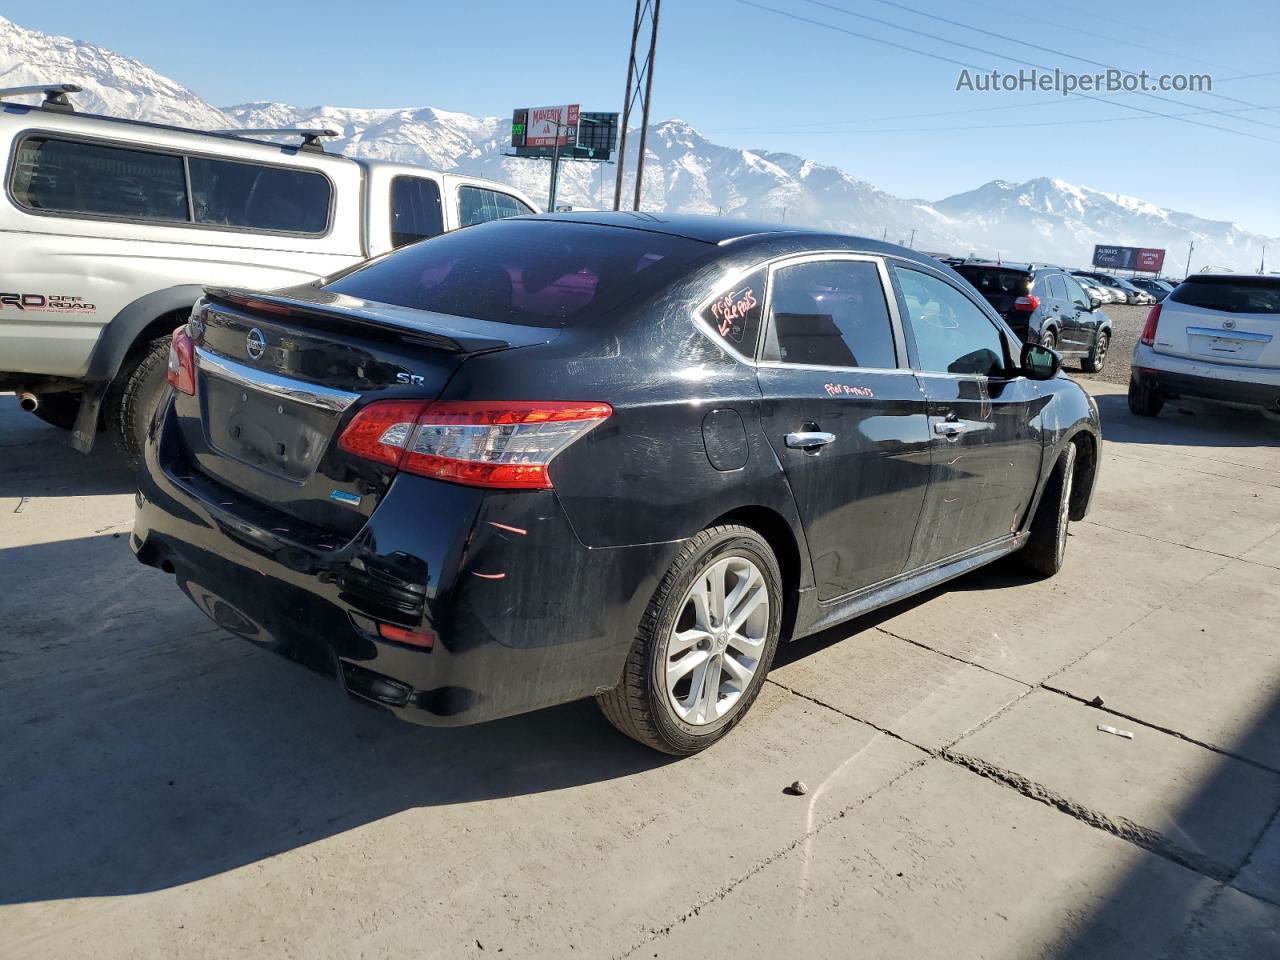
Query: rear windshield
[1230, 294]
[539, 273]
[996, 280]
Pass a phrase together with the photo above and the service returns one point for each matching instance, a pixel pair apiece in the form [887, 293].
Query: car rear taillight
[182, 362]
[1027, 304]
[485, 444]
[1149, 329]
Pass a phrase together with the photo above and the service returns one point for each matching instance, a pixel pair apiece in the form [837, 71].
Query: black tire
[134, 395]
[1143, 401]
[1097, 358]
[1048, 338]
[639, 705]
[59, 409]
[1048, 542]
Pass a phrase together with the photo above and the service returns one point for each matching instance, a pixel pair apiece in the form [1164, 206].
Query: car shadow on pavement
[1190, 423]
[36, 460]
[145, 748]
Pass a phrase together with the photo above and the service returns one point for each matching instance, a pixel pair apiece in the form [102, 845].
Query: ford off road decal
[45, 303]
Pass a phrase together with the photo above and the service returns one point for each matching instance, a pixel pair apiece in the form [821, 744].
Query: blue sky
[752, 78]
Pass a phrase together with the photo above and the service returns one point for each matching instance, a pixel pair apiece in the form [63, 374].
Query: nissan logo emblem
[255, 344]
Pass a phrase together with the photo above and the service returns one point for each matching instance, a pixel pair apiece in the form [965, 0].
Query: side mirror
[1040, 363]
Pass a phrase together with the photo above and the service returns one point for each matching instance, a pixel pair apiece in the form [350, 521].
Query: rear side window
[531, 272]
[64, 176]
[229, 193]
[832, 314]
[415, 210]
[103, 180]
[477, 205]
[952, 335]
[735, 314]
[1057, 287]
[1230, 294]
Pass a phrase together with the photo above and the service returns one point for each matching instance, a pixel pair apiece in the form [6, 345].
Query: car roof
[708, 229]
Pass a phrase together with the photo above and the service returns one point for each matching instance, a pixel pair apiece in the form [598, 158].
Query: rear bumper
[1205, 380]
[524, 616]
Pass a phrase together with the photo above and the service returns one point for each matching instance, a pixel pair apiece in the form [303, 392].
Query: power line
[972, 66]
[1007, 126]
[1005, 56]
[951, 113]
[1037, 46]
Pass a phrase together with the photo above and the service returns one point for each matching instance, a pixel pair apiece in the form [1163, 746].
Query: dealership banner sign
[1148, 259]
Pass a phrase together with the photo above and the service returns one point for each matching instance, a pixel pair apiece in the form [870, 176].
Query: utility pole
[1188, 270]
[555, 171]
[639, 86]
[911, 244]
[1262, 267]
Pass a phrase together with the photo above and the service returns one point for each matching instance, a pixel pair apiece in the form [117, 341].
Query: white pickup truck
[110, 228]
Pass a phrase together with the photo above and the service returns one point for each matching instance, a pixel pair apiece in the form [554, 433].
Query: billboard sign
[550, 126]
[1148, 259]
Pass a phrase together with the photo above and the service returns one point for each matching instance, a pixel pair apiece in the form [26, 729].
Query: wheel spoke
[741, 674]
[684, 639]
[747, 646]
[680, 668]
[715, 579]
[701, 600]
[747, 606]
[709, 691]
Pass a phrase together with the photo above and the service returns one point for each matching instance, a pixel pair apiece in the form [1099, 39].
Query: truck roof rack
[310, 135]
[55, 94]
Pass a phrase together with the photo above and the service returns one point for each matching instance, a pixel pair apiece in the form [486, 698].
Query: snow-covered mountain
[1042, 219]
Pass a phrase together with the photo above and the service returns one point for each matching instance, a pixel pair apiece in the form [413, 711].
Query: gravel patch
[1126, 327]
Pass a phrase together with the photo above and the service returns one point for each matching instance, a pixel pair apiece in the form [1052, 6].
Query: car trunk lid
[279, 376]
[1232, 320]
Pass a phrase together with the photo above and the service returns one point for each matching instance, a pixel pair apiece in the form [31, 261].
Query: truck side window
[416, 212]
[235, 194]
[65, 176]
[477, 205]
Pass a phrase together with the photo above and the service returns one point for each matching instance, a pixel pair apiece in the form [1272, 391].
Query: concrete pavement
[169, 790]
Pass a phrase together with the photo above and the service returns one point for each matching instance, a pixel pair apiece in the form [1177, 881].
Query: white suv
[1215, 337]
[109, 229]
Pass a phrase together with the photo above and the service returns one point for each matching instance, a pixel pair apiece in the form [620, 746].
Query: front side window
[477, 205]
[229, 193]
[952, 335]
[832, 313]
[416, 211]
[65, 176]
[1076, 294]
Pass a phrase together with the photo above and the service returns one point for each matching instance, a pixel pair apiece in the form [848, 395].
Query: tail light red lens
[182, 362]
[415, 638]
[1027, 304]
[504, 445]
[1149, 329]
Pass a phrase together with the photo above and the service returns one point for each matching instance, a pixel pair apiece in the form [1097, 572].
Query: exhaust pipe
[28, 401]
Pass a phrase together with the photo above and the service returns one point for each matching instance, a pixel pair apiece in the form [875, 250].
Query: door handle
[949, 429]
[809, 440]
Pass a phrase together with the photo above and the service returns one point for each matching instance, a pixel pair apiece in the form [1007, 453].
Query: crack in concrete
[1207, 473]
[1221, 751]
[1175, 543]
[1148, 839]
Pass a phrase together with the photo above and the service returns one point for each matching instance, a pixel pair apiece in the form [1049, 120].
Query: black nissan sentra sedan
[610, 455]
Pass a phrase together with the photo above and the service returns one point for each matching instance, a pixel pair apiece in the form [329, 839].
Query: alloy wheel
[718, 640]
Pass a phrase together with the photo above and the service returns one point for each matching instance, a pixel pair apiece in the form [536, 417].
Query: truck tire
[134, 395]
[59, 409]
[1048, 542]
[662, 707]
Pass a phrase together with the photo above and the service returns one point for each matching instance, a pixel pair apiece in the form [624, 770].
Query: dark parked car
[616, 455]
[1157, 288]
[1046, 305]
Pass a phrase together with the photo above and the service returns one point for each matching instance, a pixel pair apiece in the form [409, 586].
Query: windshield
[1230, 294]
[541, 273]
